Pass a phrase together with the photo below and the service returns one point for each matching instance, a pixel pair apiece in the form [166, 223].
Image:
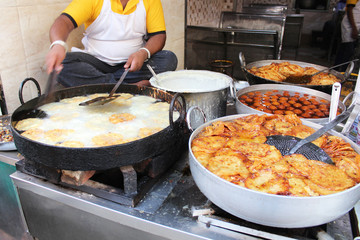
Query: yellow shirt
[351, 2]
[86, 11]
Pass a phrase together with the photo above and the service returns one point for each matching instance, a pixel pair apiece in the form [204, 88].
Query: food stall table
[166, 212]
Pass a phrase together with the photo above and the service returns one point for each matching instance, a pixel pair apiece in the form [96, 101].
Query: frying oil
[86, 122]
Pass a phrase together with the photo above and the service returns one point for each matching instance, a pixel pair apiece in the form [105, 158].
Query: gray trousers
[85, 69]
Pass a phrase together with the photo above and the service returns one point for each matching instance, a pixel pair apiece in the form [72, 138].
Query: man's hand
[136, 60]
[154, 44]
[60, 30]
[54, 59]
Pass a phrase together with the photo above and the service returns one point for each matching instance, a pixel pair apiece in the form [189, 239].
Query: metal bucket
[205, 89]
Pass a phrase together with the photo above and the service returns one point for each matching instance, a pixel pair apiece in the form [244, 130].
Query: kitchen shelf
[205, 44]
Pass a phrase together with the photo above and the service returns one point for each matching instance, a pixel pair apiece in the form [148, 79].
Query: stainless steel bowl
[254, 79]
[242, 108]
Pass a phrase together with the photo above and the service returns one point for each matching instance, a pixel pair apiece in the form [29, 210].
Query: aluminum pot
[205, 89]
[253, 79]
[243, 109]
[269, 209]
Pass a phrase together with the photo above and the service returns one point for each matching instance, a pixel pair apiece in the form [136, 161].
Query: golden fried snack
[258, 153]
[267, 181]
[280, 71]
[33, 134]
[28, 123]
[229, 165]
[57, 135]
[78, 99]
[121, 117]
[123, 100]
[209, 144]
[229, 150]
[144, 132]
[107, 139]
[344, 156]
[323, 79]
[281, 124]
[286, 69]
[327, 177]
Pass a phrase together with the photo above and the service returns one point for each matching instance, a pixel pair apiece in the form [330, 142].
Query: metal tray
[5, 126]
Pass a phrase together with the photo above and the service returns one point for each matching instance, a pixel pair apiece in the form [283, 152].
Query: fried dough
[236, 151]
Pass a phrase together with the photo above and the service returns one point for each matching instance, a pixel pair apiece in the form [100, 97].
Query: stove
[125, 185]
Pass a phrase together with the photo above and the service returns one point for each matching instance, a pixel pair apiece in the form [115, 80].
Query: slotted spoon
[288, 145]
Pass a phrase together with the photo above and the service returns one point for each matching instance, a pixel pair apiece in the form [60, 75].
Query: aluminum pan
[243, 109]
[269, 209]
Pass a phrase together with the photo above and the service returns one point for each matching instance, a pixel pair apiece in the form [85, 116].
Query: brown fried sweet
[107, 139]
[280, 71]
[236, 151]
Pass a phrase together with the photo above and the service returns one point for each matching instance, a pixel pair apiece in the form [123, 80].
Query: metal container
[269, 209]
[99, 158]
[253, 79]
[242, 108]
[205, 89]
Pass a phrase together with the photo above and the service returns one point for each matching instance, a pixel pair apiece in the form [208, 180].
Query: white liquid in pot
[191, 81]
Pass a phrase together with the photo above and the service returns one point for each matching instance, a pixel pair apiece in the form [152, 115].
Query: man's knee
[171, 60]
[165, 60]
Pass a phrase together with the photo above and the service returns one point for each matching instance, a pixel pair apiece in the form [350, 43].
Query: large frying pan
[269, 209]
[100, 158]
[253, 79]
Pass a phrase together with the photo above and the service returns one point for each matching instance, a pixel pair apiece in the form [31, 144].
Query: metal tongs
[111, 97]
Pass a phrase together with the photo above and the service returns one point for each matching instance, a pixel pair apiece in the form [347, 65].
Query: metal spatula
[288, 145]
[111, 97]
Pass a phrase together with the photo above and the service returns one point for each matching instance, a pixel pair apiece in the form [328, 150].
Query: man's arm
[350, 15]
[60, 30]
[154, 44]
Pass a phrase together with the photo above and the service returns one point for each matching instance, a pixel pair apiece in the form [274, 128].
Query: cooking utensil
[335, 95]
[111, 97]
[206, 89]
[253, 79]
[100, 158]
[153, 73]
[307, 78]
[288, 145]
[281, 88]
[269, 209]
[49, 89]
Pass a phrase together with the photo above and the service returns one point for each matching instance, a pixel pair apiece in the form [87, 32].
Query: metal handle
[152, 71]
[242, 61]
[188, 121]
[21, 98]
[182, 110]
[232, 91]
[119, 82]
[334, 103]
[349, 69]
